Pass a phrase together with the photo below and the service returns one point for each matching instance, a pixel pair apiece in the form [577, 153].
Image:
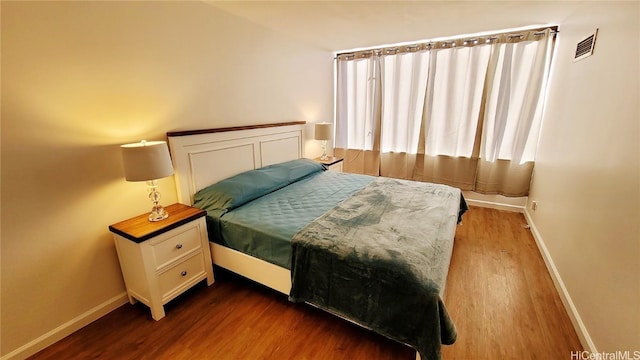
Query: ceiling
[344, 25]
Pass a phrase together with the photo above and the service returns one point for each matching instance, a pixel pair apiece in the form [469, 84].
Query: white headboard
[203, 157]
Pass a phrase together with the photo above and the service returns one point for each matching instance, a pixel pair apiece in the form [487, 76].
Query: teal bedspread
[263, 227]
[381, 258]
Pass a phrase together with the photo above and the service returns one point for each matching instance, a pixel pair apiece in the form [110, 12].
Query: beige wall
[587, 175]
[78, 80]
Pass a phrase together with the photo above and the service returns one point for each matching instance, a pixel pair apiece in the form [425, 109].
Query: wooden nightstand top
[330, 161]
[139, 228]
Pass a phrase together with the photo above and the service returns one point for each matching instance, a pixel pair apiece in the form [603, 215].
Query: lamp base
[158, 213]
[324, 155]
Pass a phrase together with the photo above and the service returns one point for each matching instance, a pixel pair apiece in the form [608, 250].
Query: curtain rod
[462, 41]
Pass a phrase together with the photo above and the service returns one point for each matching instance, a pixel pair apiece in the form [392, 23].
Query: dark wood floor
[498, 293]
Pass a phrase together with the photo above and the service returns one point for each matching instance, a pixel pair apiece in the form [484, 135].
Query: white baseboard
[67, 328]
[576, 320]
[495, 205]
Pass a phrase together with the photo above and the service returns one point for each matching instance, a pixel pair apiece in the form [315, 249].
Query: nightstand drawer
[176, 246]
[337, 167]
[173, 279]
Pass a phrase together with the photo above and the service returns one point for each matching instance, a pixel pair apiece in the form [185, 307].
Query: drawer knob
[179, 246]
[183, 273]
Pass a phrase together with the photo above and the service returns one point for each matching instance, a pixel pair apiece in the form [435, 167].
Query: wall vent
[585, 47]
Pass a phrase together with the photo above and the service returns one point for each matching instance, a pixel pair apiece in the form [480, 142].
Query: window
[478, 98]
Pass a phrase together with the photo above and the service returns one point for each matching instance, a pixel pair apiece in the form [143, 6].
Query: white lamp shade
[146, 160]
[323, 131]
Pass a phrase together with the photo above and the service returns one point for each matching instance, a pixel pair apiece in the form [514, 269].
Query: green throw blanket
[380, 258]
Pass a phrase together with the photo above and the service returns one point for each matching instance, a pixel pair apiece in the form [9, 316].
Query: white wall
[587, 175]
[81, 78]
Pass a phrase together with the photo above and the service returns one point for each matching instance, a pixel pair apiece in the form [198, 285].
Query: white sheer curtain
[465, 112]
[516, 87]
[454, 99]
[357, 103]
[453, 109]
[404, 83]
[357, 136]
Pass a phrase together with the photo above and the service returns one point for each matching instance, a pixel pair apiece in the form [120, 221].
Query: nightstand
[333, 163]
[160, 260]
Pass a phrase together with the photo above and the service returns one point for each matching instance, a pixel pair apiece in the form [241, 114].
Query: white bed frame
[202, 158]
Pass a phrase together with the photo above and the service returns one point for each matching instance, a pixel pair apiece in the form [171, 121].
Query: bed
[374, 251]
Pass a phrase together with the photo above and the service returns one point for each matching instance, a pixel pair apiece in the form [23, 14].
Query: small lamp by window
[323, 133]
[148, 161]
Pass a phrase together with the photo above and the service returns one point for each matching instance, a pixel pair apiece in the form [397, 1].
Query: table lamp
[148, 161]
[323, 133]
